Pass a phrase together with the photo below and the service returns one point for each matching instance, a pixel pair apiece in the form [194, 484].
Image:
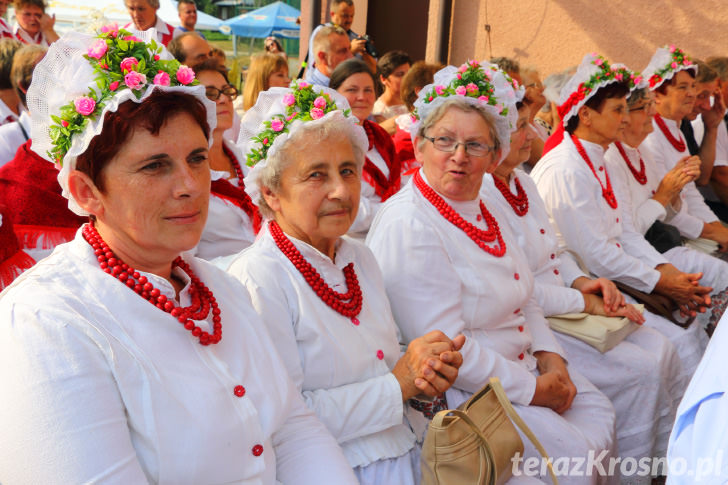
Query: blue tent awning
[277, 19]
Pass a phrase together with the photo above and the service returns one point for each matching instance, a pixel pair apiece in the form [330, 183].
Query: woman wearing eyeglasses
[233, 219]
[450, 261]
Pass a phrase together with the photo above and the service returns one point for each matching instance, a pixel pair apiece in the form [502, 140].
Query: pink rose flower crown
[593, 73]
[480, 83]
[473, 80]
[120, 61]
[665, 63]
[302, 103]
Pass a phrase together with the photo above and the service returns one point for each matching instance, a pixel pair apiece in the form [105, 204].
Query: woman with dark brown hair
[382, 173]
[120, 372]
[391, 68]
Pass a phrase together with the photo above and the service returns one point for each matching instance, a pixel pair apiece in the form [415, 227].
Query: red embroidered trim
[384, 187]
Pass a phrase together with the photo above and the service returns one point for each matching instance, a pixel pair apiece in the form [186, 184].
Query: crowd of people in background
[376, 240]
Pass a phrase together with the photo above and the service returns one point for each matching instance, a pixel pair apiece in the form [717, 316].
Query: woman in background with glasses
[233, 219]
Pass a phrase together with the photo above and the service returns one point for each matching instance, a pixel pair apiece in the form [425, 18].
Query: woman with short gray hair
[448, 263]
[321, 291]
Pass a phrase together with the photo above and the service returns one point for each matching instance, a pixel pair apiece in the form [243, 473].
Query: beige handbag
[602, 333]
[703, 245]
[474, 443]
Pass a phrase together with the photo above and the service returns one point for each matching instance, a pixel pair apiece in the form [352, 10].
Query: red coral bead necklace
[479, 236]
[607, 191]
[640, 176]
[202, 298]
[677, 144]
[519, 201]
[347, 304]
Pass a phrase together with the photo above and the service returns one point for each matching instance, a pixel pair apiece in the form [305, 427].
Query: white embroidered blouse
[341, 367]
[100, 385]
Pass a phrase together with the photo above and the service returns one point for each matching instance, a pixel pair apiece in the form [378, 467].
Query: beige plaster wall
[555, 34]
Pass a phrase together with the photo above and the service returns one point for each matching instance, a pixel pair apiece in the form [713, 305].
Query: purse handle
[500, 393]
[474, 427]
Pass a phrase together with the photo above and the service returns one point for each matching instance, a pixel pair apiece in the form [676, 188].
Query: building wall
[555, 34]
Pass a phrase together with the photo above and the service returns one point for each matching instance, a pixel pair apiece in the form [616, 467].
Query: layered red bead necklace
[519, 202]
[640, 176]
[479, 236]
[677, 144]
[347, 304]
[202, 299]
[607, 191]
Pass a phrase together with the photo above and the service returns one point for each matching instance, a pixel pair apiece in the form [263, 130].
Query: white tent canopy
[76, 14]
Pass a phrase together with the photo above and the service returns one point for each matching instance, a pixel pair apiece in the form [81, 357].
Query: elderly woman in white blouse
[120, 361]
[648, 193]
[640, 375]
[449, 263]
[322, 292]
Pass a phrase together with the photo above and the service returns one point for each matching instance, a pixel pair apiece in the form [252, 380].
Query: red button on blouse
[521, 356]
[257, 450]
[618, 245]
[517, 276]
[556, 271]
[517, 311]
[520, 328]
[380, 354]
[553, 256]
[355, 321]
[239, 391]
[543, 231]
[479, 217]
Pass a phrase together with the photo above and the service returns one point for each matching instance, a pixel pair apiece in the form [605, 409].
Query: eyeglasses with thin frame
[449, 145]
[213, 93]
[645, 106]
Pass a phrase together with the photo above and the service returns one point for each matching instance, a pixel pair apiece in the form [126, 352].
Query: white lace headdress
[279, 113]
[479, 83]
[82, 77]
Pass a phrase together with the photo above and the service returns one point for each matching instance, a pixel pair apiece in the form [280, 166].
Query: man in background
[342, 14]
[187, 11]
[143, 15]
[330, 48]
[190, 49]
